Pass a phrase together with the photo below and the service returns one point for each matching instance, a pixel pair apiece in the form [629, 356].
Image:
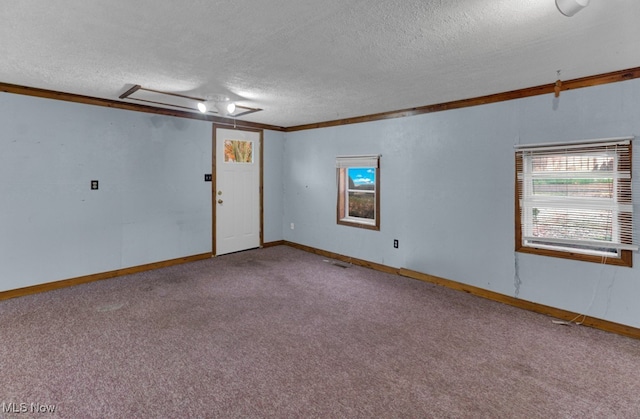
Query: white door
[237, 190]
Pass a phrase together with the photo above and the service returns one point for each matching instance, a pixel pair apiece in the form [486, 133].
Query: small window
[359, 191]
[574, 201]
[238, 151]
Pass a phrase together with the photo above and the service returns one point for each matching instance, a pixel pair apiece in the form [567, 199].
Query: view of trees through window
[574, 200]
[238, 151]
[361, 192]
[572, 177]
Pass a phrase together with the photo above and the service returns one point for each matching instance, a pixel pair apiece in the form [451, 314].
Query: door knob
[219, 201]
[219, 192]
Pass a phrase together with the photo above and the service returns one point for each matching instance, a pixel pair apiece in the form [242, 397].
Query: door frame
[214, 180]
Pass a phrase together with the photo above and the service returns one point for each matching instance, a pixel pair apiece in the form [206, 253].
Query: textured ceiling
[308, 61]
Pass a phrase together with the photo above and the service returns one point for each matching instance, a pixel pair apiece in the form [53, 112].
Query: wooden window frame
[625, 257]
[342, 218]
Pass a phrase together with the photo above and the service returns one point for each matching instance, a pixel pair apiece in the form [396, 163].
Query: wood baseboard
[272, 244]
[49, 286]
[596, 323]
[347, 259]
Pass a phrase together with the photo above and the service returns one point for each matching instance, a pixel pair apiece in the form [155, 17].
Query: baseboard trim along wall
[565, 315]
[49, 286]
[596, 323]
[342, 258]
[273, 244]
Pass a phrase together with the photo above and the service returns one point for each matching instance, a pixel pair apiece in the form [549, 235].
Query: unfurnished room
[338, 209]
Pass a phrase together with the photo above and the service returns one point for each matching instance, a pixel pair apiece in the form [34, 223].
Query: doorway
[237, 190]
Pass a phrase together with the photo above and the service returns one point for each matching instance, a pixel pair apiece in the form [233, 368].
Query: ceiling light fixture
[571, 7]
[225, 107]
[220, 105]
[206, 105]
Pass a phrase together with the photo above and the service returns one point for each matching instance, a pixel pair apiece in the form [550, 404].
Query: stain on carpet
[109, 307]
[340, 265]
[249, 263]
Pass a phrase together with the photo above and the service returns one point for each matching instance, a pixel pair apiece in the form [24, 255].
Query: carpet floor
[279, 332]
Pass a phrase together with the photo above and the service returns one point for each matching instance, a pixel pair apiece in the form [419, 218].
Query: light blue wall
[152, 205]
[447, 190]
[446, 187]
[273, 143]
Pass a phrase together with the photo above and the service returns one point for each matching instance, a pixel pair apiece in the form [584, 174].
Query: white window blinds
[576, 197]
[357, 161]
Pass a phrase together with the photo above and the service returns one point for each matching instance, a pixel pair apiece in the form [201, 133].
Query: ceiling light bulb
[571, 7]
[225, 107]
[202, 107]
[222, 109]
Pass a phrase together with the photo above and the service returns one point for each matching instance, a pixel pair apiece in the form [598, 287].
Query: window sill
[625, 259]
[359, 224]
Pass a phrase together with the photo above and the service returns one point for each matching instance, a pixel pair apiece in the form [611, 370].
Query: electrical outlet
[207, 177]
[94, 184]
[293, 226]
[395, 243]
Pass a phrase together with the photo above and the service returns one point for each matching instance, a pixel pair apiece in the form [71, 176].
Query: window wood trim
[625, 259]
[341, 209]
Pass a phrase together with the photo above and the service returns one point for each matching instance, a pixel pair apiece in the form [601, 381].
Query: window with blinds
[358, 180]
[575, 200]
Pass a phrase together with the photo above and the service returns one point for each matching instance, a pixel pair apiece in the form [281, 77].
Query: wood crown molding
[88, 100]
[613, 77]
